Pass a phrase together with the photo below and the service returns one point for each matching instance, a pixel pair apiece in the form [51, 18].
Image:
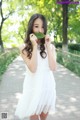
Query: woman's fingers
[31, 35]
[33, 39]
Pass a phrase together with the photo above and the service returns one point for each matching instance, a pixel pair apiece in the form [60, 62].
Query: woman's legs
[43, 116]
[34, 117]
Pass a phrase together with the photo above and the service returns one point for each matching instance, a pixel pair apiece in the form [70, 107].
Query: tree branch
[21, 35]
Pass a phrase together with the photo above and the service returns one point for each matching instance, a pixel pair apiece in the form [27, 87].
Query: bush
[6, 58]
[69, 60]
[74, 47]
[58, 45]
[70, 46]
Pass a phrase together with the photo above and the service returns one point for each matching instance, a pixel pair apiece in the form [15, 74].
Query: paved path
[67, 86]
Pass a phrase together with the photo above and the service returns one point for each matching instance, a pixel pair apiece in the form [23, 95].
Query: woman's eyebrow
[36, 24]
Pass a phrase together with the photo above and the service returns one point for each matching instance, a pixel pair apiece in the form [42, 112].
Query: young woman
[39, 89]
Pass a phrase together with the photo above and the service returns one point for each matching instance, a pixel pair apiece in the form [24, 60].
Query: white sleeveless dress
[39, 91]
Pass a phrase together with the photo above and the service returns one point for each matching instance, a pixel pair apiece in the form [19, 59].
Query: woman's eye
[36, 26]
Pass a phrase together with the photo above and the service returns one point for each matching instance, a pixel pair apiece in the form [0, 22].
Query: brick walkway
[67, 87]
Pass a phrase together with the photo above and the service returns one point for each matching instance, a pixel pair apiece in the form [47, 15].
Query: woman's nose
[40, 30]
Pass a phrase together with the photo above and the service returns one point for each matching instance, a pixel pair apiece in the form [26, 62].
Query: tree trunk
[1, 42]
[65, 26]
[1, 24]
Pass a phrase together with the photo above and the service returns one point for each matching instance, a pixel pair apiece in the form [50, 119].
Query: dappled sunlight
[68, 95]
[66, 107]
[72, 99]
[8, 107]
[18, 95]
[64, 72]
[11, 87]
[70, 109]
[8, 103]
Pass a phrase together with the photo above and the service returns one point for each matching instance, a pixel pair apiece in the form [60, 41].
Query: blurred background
[63, 27]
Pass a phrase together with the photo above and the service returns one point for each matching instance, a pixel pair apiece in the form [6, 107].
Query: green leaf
[39, 35]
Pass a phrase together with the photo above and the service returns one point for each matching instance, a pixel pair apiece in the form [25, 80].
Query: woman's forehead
[38, 21]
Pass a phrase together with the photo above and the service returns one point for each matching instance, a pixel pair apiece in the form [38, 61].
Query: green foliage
[74, 23]
[70, 46]
[6, 58]
[15, 26]
[70, 61]
[58, 45]
[74, 47]
[74, 52]
[39, 35]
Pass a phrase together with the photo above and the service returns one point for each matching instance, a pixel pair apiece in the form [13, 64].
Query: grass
[70, 60]
[74, 52]
[6, 58]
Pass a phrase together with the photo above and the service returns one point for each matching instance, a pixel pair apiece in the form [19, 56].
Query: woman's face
[38, 26]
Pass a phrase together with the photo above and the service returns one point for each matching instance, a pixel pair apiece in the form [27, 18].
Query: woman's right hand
[33, 39]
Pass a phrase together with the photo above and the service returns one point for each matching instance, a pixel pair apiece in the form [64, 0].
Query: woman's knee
[43, 115]
[34, 117]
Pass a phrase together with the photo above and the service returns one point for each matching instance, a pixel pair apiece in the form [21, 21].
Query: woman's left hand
[47, 40]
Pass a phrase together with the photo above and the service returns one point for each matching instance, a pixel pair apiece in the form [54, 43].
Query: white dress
[39, 91]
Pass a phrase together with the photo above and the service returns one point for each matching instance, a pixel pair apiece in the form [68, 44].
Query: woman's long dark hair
[29, 47]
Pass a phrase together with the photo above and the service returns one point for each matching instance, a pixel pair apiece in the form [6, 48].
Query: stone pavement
[67, 87]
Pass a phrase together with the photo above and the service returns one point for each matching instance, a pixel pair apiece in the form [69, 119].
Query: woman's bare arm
[31, 63]
[52, 57]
